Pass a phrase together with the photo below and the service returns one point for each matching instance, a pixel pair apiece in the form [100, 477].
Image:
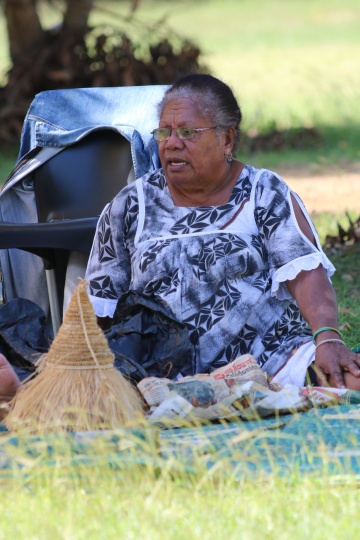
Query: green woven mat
[321, 441]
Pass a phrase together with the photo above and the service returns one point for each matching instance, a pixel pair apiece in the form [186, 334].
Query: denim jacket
[56, 119]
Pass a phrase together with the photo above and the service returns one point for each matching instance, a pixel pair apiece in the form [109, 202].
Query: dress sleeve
[289, 250]
[108, 271]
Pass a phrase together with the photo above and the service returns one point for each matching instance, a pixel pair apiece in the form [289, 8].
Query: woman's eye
[186, 132]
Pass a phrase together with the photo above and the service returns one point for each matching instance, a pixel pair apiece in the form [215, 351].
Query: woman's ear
[229, 139]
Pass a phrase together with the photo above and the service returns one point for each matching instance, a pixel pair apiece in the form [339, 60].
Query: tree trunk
[77, 15]
[24, 28]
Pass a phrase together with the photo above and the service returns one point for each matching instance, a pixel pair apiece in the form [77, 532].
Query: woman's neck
[210, 195]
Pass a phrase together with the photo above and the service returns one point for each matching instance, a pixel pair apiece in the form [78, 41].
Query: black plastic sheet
[147, 340]
[24, 335]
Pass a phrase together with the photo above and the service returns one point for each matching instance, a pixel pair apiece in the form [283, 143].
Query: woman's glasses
[183, 133]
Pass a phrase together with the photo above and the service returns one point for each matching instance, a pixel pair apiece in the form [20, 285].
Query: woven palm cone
[77, 387]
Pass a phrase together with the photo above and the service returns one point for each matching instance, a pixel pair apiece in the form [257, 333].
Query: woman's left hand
[337, 366]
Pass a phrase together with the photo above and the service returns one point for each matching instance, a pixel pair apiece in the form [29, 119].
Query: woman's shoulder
[262, 174]
[264, 180]
[131, 189]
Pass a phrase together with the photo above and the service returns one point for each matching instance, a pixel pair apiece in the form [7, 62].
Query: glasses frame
[195, 130]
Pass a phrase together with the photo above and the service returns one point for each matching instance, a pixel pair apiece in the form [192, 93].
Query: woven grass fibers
[77, 387]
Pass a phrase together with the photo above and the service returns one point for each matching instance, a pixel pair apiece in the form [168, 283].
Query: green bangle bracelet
[323, 329]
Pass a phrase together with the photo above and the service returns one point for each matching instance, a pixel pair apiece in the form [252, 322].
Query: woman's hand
[9, 383]
[337, 366]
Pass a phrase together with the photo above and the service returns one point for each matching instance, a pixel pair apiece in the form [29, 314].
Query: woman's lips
[176, 163]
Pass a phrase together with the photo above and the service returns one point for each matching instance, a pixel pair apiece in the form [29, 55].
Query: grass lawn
[141, 506]
[103, 502]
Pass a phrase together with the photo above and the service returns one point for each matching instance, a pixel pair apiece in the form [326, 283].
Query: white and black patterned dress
[221, 270]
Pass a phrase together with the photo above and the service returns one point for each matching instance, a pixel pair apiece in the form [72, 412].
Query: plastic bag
[146, 340]
[24, 335]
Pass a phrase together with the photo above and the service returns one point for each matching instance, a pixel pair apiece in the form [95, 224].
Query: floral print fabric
[213, 268]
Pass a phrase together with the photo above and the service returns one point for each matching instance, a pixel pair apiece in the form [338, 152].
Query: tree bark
[77, 15]
[24, 28]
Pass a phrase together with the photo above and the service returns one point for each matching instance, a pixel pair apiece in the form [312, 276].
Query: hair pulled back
[213, 96]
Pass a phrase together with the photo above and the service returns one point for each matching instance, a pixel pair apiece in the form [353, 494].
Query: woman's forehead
[182, 110]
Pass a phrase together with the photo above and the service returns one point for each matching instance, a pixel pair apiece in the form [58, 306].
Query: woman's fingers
[351, 363]
[335, 375]
[328, 361]
[332, 360]
[321, 377]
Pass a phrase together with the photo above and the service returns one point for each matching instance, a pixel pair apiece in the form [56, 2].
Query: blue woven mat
[318, 442]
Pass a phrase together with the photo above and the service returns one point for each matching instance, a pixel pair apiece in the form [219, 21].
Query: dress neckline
[204, 207]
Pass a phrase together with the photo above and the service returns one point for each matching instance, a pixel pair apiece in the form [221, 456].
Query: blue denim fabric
[57, 118]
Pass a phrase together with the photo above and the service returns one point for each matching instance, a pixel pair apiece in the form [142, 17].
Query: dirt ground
[336, 190]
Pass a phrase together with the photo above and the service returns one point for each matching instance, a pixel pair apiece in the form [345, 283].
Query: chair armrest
[43, 238]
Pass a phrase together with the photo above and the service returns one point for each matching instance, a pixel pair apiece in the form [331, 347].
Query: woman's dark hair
[214, 97]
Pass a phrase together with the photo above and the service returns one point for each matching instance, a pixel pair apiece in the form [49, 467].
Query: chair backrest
[80, 180]
[77, 183]
[76, 150]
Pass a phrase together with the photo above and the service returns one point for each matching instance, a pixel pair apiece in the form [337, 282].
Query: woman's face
[194, 163]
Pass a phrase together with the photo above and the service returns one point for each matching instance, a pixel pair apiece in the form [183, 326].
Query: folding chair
[69, 167]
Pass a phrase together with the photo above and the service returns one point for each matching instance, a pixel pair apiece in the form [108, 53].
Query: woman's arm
[109, 266]
[316, 300]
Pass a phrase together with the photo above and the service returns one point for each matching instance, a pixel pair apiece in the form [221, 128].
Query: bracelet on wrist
[324, 329]
[330, 341]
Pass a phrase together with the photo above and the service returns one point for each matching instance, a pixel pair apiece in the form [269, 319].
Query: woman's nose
[173, 141]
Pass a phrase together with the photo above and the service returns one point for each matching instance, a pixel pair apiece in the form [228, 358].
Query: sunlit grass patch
[165, 498]
[327, 223]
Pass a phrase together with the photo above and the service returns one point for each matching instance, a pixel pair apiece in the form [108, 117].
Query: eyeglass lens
[162, 134]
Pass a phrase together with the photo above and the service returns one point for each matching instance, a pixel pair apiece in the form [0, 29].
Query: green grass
[346, 282]
[148, 511]
[141, 503]
[128, 500]
[290, 63]
[7, 162]
[326, 223]
[337, 149]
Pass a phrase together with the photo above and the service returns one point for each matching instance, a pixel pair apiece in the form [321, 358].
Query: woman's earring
[229, 157]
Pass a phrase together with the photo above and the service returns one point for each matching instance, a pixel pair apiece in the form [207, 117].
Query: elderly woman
[227, 248]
